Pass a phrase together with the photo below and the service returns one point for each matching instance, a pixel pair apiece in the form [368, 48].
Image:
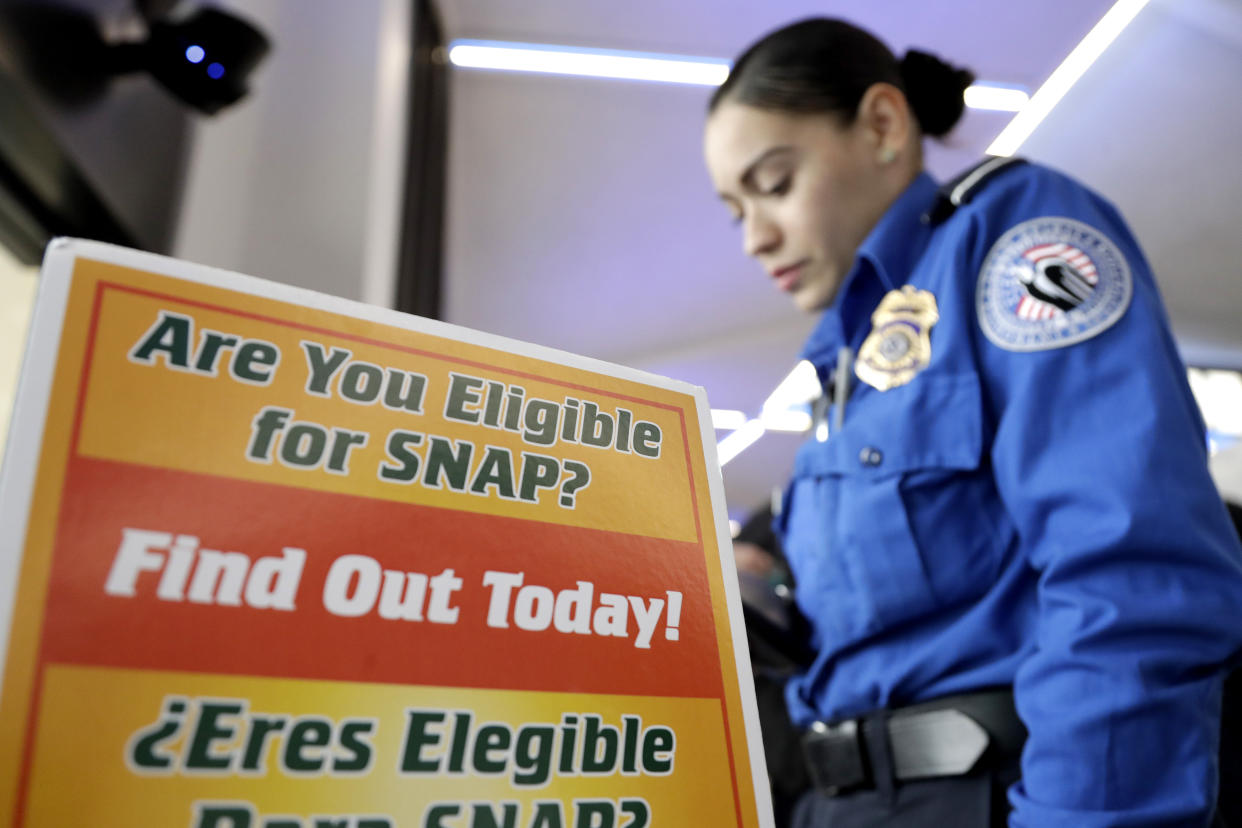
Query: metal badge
[899, 345]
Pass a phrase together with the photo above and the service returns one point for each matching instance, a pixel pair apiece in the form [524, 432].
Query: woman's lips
[787, 278]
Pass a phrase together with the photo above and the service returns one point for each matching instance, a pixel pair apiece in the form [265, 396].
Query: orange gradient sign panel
[285, 560]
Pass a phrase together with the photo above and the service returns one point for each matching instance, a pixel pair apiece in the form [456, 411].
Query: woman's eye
[780, 187]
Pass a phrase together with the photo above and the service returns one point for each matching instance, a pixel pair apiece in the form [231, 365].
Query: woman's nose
[759, 235]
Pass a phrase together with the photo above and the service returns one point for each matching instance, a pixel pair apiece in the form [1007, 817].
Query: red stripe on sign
[87, 625]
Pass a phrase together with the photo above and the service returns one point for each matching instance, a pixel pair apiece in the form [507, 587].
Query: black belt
[950, 736]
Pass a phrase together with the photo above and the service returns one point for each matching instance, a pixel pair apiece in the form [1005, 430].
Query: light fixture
[785, 409]
[1065, 76]
[594, 63]
[547, 58]
[739, 441]
[995, 97]
[1219, 395]
[726, 420]
[800, 386]
[791, 421]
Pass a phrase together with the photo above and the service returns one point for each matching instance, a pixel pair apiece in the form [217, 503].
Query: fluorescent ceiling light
[1219, 395]
[627, 65]
[996, 98]
[1065, 76]
[739, 441]
[726, 420]
[783, 410]
[594, 63]
[792, 421]
[799, 387]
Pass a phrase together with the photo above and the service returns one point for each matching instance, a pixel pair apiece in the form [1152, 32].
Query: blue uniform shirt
[1031, 508]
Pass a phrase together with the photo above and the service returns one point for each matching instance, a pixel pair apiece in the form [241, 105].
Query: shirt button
[870, 456]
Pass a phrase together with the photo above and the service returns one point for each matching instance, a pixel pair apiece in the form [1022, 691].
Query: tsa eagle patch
[1050, 282]
[899, 345]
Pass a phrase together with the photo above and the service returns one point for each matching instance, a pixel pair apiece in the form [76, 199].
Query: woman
[1012, 510]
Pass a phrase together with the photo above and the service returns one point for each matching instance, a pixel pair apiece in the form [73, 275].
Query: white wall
[300, 183]
[17, 292]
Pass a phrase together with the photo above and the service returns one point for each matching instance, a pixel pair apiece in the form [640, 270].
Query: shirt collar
[883, 263]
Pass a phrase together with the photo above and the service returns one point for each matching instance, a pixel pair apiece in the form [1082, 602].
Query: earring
[888, 155]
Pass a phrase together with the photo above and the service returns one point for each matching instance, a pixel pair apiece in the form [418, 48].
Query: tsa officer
[1022, 587]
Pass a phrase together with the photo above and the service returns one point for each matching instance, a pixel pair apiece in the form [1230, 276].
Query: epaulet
[962, 189]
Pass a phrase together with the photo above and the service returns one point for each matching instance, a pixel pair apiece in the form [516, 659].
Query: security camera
[204, 58]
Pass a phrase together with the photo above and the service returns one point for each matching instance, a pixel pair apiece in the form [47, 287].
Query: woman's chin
[813, 298]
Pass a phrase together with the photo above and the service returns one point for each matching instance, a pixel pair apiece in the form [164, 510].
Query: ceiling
[580, 215]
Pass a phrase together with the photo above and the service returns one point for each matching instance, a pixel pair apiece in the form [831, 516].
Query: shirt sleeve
[1099, 456]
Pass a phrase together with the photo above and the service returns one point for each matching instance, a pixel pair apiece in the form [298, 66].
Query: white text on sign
[359, 585]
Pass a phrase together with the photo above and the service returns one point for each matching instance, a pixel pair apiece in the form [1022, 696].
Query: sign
[277, 559]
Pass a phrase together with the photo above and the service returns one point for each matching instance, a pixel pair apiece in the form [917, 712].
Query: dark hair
[825, 65]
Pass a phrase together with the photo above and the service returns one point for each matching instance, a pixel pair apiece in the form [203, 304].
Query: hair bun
[935, 91]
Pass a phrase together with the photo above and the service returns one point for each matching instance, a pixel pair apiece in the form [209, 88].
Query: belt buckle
[834, 756]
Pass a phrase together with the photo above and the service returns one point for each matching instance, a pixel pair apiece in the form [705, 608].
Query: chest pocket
[894, 517]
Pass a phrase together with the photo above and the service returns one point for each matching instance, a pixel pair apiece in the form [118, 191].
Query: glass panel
[1219, 394]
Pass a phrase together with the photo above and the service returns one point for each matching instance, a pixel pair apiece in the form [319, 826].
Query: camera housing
[204, 59]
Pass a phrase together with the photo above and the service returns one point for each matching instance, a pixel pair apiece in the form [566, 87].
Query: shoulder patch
[1051, 282]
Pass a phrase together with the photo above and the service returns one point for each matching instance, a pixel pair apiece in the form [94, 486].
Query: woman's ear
[886, 120]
